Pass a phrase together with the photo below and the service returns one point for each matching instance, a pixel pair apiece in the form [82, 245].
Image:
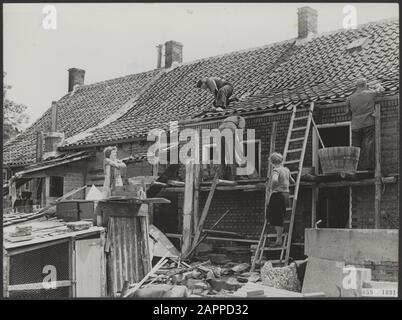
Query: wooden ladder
[298, 132]
[299, 129]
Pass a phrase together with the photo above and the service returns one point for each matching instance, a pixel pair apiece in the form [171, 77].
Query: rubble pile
[281, 277]
[206, 279]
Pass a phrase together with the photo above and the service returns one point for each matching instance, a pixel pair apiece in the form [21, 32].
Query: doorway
[165, 216]
[334, 203]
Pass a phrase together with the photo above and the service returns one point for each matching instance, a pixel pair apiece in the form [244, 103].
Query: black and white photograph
[200, 151]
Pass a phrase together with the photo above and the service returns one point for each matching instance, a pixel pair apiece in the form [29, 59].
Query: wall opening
[334, 204]
[56, 187]
[166, 216]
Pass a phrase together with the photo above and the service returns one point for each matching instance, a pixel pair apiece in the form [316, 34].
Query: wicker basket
[339, 159]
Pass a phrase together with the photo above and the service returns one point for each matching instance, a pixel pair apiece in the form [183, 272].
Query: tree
[14, 115]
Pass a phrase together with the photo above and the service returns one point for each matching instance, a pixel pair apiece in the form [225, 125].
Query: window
[56, 187]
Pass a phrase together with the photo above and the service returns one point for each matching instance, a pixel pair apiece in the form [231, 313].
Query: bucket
[339, 159]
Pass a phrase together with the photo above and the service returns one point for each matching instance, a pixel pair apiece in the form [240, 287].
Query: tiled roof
[89, 105]
[266, 77]
[323, 93]
[269, 77]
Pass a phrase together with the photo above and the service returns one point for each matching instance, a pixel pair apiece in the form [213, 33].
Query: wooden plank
[314, 192]
[129, 252]
[377, 175]
[205, 235]
[65, 237]
[177, 183]
[188, 208]
[268, 291]
[13, 191]
[6, 275]
[39, 285]
[196, 195]
[103, 265]
[72, 269]
[296, 190]
[88, 263]
[160, 263]
[161, 238]
[206, 208]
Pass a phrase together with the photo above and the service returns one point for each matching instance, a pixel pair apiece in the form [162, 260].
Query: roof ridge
[277, 43]
[265, 46]
[359, 26]
[99, 83]
[126, 107]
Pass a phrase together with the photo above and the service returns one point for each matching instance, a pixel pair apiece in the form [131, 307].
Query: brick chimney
[173, 53]
[159, 56]
[53, 138]
[307, 22]
[75, 76]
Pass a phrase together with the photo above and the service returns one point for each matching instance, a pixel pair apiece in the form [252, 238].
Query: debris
[20, 238]
[79, 225]
[204, 247]
[301, 270]
[268, 291]
[255, 293]
[251, 276]
[177, 271]
[230, 284]
[210, 275]
[194, 274]
[196, 284]
[162, 244]
[178, 279]
[242, 279]
[280, 277]
[177, 292]
[161, 290]
[218, 258]
[22, 231]
[160, 263]
[240, 267]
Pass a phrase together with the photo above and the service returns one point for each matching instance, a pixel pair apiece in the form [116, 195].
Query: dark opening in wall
[56, 187]
[334, 203]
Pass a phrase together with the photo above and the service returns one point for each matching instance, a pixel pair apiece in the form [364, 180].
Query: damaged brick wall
[247, 207]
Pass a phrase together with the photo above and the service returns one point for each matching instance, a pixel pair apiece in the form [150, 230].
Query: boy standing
[279, 200]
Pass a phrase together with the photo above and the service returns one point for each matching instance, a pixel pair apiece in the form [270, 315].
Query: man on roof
[360, 105]
[221, 89]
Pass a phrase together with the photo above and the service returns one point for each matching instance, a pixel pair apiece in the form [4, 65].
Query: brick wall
[74, 181]
[247, 207]
[95, 173]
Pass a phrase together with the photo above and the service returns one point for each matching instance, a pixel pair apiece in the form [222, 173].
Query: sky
[113, 40]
